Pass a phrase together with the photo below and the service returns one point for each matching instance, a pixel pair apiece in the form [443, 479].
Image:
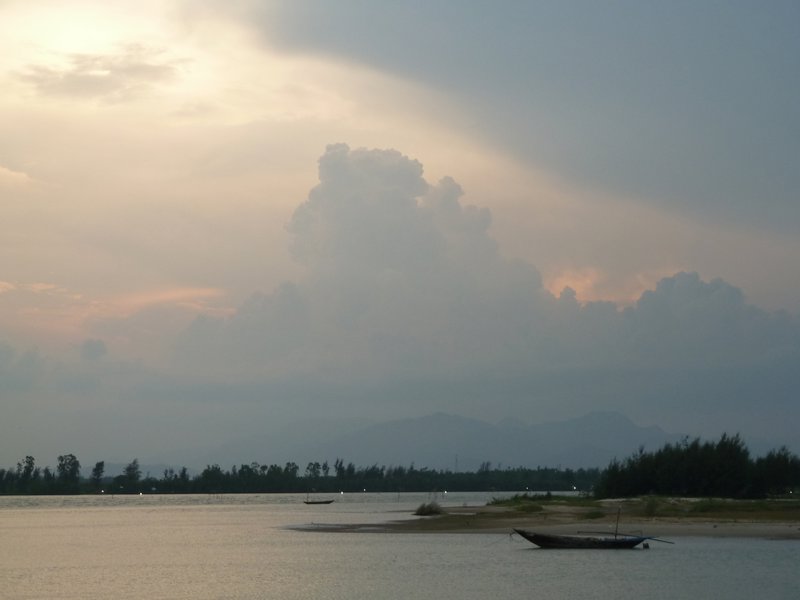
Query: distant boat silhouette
[309, 501]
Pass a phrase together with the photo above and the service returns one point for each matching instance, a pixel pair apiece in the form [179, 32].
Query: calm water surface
[204, 547]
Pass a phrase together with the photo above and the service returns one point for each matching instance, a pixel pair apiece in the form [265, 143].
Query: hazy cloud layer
[688, 105]
[110, 77]
[19, 371]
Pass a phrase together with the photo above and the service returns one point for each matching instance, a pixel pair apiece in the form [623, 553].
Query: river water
[248, 547]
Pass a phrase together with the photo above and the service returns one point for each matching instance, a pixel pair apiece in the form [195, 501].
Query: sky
[217, 218]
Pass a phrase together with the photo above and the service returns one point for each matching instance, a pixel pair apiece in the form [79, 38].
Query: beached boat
[598, 540]
[615, 542]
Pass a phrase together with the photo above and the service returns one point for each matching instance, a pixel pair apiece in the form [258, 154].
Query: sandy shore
[490, 519]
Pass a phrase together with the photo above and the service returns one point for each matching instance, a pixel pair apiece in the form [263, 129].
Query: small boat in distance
[546, 540]
[308, 500]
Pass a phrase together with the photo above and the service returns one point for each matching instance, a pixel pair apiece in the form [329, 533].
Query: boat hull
[544, 540]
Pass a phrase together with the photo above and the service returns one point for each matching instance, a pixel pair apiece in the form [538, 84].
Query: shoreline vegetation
[687, 469]
[774, 518]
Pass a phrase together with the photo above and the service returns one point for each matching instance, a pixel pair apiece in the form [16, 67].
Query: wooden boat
[308, 500]
[590, 539]
[615, 542]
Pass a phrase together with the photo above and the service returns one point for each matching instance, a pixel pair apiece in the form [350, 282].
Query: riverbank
[725, 518]
[481, 520]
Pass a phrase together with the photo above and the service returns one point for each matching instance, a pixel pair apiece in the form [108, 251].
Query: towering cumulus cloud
[405, 292]
[399, 277]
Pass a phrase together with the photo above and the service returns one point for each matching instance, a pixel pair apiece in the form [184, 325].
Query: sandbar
[494, 519]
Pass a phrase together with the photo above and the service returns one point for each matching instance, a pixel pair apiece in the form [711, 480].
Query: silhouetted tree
[212, 479]
[68, 470]
[696, 468]
[128, 482]
[338, 467]
[27, 472]
[97, 474]
[777, 472]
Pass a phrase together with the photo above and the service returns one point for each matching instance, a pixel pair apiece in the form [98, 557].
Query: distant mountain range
[444, 441]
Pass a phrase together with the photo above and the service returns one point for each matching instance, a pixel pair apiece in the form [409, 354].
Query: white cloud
[132, 71]
[399, 275]
[403, 280]
[11, 179]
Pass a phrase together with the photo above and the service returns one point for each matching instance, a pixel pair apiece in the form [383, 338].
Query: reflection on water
[241, 546]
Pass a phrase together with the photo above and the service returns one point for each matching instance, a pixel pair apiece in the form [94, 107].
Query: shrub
[426, 510]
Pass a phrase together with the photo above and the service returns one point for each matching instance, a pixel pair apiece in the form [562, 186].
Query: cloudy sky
[218, 217]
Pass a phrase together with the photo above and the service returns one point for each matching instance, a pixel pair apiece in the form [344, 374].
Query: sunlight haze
[218, 219]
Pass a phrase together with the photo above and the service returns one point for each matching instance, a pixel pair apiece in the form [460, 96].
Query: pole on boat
[655, 539]
[616, 527]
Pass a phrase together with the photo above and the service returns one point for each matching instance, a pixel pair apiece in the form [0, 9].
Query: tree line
[723, 468]
[701, 469]
[28, 478]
